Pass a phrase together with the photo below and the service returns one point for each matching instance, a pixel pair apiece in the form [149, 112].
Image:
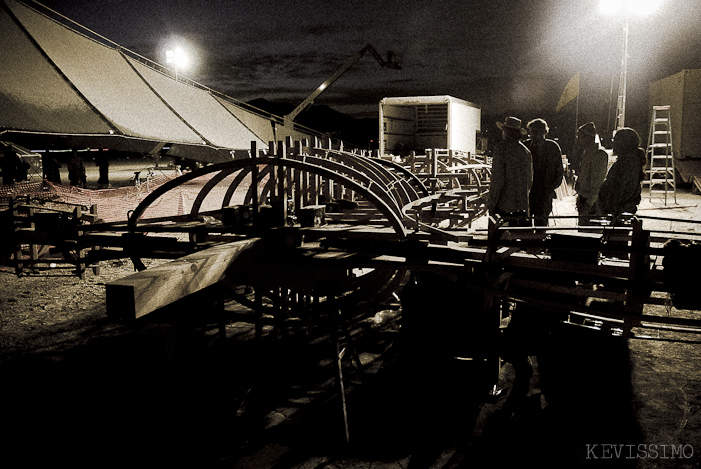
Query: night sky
[510, 57]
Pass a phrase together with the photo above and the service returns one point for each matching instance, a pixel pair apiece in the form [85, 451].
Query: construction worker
[621, 190]
[591, 172]
[76, 170]
[547, 171]
[512, 175]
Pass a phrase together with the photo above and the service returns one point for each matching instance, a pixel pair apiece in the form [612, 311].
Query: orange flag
[570, 92]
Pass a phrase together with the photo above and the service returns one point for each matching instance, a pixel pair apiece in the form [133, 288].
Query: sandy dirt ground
[192, 387]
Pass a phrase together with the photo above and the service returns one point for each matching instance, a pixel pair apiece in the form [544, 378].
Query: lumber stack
[144, 292]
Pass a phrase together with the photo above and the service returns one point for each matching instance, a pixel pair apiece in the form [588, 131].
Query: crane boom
[389, 63]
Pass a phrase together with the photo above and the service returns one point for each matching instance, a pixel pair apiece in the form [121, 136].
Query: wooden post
[272, 174]
[313, 184]
[340, 353]
[79, 252]
[640, 239]
[93, 211]
[296, 180]
[281, 183]
[451, 163]
[255, 180]
[290, 178]
[33, 248]
[14, 213]
[258, 305]
[433, 168]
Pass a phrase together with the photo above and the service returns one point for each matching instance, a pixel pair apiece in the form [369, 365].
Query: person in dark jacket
[10, 164]
[591, 172]
[103, 163]
[76, 170]
[512, 175]
[621, 190]
[547, 171]
[52, 168]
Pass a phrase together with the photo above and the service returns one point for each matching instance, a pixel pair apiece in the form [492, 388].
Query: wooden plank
[141, 293]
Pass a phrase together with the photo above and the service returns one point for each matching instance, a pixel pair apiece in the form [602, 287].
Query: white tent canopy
[57, 85]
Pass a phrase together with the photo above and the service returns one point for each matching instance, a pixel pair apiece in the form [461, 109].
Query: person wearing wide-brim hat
[512, 125]
[512, 175]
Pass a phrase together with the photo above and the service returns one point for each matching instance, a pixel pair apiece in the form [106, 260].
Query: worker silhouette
[103, 163]
[620, 193]
[591, 171]
[547, 171]
[512, 175]
[51, 168]
[76, 170]
[13, 168]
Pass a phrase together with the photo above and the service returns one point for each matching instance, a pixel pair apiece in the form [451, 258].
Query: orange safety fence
[113, 205]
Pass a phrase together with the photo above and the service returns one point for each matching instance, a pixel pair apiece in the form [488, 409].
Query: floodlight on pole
[626, 8]
[177, 57]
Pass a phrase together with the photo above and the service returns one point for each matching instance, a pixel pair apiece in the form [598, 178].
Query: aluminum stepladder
[661, 179]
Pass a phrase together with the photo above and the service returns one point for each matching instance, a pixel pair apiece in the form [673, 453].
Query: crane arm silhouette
[388, 63]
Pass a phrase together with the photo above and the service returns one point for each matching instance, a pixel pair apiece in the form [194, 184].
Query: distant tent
[60, 87]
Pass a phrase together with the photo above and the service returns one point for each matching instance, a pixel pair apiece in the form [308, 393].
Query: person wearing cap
[591, 171]
[512, 175]
[621, 190]
[547, 170]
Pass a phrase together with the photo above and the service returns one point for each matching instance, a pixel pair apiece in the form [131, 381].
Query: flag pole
[576, 113]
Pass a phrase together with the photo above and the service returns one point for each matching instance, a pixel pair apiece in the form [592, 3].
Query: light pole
[177, 57]
[627, 8]
[623, 81]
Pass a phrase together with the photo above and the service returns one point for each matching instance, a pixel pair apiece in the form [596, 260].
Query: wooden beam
[141, 293]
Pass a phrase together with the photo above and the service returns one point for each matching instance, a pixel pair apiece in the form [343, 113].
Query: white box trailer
[681, 91]
[422, 122]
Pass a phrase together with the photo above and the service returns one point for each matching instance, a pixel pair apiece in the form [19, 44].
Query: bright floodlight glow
[177, 57]
[633, 7]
